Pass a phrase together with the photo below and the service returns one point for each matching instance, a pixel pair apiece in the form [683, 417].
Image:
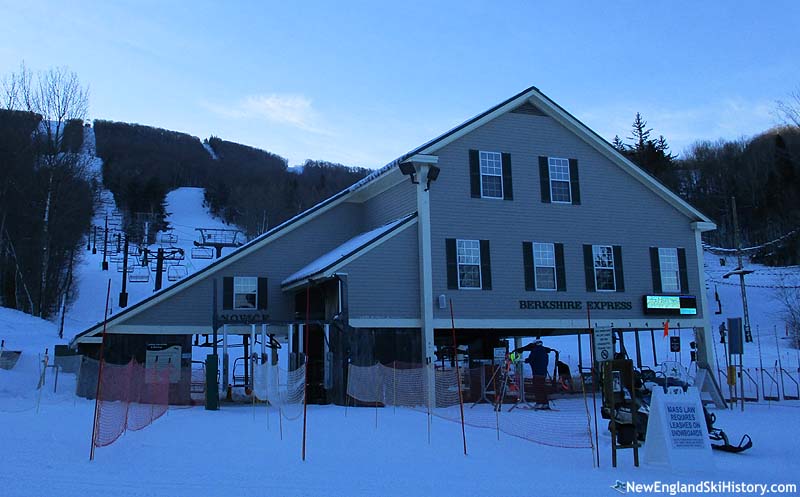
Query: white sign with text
[603, 344]
[676, 430]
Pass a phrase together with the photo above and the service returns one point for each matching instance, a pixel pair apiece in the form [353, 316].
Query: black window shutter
[684, 275]
[508, 187]
[475, 174]
[575, 186]
[227, 293]
[452, 264]
[527, 263]
[618, 274]
[561, 275]
[486, 266]
[262, 294]
[655, 268]
[588, 266]
[544, 179]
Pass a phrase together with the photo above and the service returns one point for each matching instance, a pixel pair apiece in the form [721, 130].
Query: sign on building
[603, 344]
[161, 357]
[674, 344]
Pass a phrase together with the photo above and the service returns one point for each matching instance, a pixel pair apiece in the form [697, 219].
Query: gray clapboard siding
[276, 260]
[384, 283]
[391, 204]
[616, 209]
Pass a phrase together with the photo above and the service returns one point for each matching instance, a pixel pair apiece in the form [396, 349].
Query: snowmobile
[644, 381]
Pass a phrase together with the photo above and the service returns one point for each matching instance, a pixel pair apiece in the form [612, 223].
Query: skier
[538, 359]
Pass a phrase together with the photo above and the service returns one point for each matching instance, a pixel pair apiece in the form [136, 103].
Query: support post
[123, 294]
[105, 246]
[426, 275]
[159, 268]
[225, 357]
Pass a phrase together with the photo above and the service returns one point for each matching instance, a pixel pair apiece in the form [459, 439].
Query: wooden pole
[458, 376]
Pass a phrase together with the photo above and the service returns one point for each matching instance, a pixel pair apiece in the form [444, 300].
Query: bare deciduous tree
[789, 110]
[58, 96]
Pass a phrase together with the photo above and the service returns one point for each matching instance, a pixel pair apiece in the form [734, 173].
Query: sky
[361, 83]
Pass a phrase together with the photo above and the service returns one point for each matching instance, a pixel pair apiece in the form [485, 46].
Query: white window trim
[255, 307]
[480, 170]
[458, 266]
[613, 269]
[554, 266]
[661, 270]
[550, 182]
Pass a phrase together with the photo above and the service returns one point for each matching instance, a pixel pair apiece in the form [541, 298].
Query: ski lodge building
[525, 219]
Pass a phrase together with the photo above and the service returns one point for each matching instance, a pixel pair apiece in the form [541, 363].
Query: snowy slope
[185, 213]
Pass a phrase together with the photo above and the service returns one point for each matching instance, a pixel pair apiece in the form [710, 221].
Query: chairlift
[132, 262]
[167, 238]
[202, 253]
[139, 274]
[173, 254]
[176, 272]
[153, 263]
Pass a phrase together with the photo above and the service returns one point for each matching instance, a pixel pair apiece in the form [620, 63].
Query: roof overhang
[344, 256]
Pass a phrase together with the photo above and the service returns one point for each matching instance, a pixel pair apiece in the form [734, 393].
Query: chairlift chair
[167, 238]
[176, 272]
[202, 253]
[139, 274]
[153, 263]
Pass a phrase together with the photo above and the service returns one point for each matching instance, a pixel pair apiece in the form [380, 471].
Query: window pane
[492, 186]
[469, 251]
[605, 279]
[559, 169]
[560, 191]
[469, 276]
[244, 292]
[244, 301]
[469, 260]
[491, 163]
[603, 256]
[491, 174]
[668, 260]
[545, 278]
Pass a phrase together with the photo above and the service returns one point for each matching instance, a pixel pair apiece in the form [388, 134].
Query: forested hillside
[246, 186]
[760, 171]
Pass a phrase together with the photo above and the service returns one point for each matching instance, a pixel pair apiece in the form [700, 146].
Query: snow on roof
[344, 250]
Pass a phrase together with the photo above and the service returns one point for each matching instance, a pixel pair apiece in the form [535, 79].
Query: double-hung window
[604, 278]
[468, 257]
[669, 269]
[491, 164]
[544, 263]
[560, 190]
[245, 292]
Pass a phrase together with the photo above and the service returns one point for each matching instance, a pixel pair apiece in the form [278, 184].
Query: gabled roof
[548, 107]
[531, 95]
[347, 251]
